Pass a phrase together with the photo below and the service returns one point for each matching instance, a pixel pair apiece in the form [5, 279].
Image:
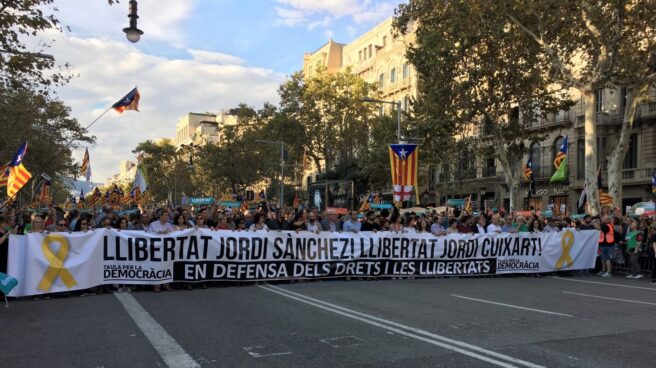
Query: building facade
[484, 180]
[378, 57]
[201, 128]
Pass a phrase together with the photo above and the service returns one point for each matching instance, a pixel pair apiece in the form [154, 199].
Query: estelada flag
[4, 175]
[18, 174]
[85, 169]
[403, 164]
[129, 102]
[560, 163]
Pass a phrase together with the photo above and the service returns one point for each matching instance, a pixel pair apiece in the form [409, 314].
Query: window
[536, 159]
[384, 41]
[631, 158]
[360, 55]
[364, 51]
[406, 99]
[490, 167]
[406, 71]
[393, 75]
[623, 97]
[381, 80]
[556, 147]
[370, 54]
[580, 159]
[599, 100]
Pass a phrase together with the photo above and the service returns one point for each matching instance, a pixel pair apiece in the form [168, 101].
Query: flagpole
[4, 204]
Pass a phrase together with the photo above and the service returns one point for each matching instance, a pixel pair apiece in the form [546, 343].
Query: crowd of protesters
[620, 235]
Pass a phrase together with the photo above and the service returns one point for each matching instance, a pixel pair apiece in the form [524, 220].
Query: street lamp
[282, 167]
[398, 113]
[132, 32]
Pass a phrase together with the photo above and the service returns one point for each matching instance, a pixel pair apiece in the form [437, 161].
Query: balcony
[489, 172]
[637, 176]
[647, 110]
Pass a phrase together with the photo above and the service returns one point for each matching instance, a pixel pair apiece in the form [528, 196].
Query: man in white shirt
[495, 226]
[437, 228]
[162, 226]
[550, 227]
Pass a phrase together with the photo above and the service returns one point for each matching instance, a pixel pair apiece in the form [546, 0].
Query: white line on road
[431, 338]
[513, 306]
[604, 283]
[171, 352]
[608, 298]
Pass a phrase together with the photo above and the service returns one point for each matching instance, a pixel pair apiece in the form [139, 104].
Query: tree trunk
[512, 176]
[515, 186]
[590, 129]
[616, 158]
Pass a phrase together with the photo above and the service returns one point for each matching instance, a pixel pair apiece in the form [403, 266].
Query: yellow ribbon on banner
[566, 242]
[56, 268]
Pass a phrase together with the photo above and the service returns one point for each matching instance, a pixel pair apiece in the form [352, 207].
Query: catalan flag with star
[85, 169]
[530, 176]
[560, 162]
[4, 174]
[404, 160]
[128, 102]
[18, 174]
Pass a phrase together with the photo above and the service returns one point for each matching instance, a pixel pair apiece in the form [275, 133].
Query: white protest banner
[46, 263]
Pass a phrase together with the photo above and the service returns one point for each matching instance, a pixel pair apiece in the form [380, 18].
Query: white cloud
[169, 89]
[322, 13]
[212, 57]
[375, 14]
[161, 20]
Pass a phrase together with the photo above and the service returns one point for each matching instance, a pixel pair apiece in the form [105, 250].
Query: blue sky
[194, 56]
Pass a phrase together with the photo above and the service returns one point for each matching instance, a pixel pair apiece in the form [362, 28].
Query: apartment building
[201, 128]
[377, 56]
[483, 178]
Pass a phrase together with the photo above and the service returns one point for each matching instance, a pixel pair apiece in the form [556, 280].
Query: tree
[329, 107]
[587, 44]
[21, 67]
[477, 77]
[45, 123]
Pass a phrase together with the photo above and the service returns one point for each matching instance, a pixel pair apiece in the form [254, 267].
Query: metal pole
[398, 121]
[282, 174]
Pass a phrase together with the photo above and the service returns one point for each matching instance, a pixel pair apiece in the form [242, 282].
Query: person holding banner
[331, 223]
[259, 223]
[352, 224]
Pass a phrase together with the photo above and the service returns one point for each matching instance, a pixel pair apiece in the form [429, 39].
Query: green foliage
[45, 123]
[476, 76]
[20, 64]
[329, 107]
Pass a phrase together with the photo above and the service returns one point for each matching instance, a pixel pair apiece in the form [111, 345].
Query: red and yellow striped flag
[4, 175]
[404, 163]
[18, 174]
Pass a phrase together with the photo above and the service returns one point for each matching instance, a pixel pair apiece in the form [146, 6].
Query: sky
[194, 56]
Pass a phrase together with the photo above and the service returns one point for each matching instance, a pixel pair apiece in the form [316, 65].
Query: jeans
[634, 261]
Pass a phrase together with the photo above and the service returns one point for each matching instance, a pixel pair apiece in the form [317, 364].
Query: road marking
[342, 341]
[171, 352]
[604, 283]
[255, 354]
[408, 331]
[514, 306]
[608, 298]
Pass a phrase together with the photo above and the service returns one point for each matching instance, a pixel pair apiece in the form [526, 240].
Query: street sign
[201, 200]
[231, 204]
[455, 202]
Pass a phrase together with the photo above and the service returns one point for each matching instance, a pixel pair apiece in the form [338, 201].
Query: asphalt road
[457, 322]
